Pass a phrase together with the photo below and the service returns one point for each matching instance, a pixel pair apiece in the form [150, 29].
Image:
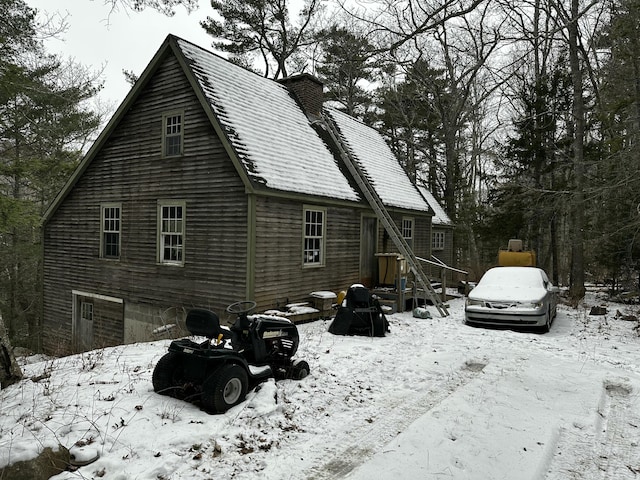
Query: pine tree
[263, 28]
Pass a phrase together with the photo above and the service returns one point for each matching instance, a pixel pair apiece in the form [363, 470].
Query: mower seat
[204, 323]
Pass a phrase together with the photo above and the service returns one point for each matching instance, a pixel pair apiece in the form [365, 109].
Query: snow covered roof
[378, 162]
[270, 135]
[268, 130]
[440, 217]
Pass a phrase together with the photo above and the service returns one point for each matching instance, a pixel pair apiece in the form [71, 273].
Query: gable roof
[440, 217]
[378, 162]
[269, 132]
[268, 135]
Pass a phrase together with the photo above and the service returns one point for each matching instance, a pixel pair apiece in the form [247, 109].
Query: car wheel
[225, 388]
[547, 324]
[168, 376]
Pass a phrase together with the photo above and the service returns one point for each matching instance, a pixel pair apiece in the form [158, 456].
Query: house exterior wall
[280, 276]
[131, 171]
[445, 255]
[421, 242]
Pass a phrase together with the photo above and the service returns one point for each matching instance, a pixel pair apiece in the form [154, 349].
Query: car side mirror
[554, 289]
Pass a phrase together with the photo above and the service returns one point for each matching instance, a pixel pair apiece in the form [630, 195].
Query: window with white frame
[437, 241]
[110, 235]
[314, 236]
[172, 134]
[171, 224]
[407, 230]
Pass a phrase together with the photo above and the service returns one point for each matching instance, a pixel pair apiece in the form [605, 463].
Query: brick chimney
[307, 89]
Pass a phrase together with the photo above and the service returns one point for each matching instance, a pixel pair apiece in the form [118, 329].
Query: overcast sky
[122, 40]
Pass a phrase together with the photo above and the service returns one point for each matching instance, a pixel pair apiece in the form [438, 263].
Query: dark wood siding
[130, 170]
[446, 255]
[421, 234]
[279, 272]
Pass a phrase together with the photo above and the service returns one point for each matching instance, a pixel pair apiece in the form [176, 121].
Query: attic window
[313, 247]
[172, 138]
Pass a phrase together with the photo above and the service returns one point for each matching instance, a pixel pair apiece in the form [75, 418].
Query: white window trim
[165, 116]
[103, 206]
[323, 237]
[438, 244]
[412, 228]
[160, 239]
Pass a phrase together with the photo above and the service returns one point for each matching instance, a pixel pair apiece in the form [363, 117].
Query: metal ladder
[383, 215]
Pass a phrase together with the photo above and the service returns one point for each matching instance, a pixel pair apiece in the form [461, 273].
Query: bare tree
[167, 7]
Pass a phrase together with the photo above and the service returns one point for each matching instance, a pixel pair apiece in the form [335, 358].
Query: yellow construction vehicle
[516, 256]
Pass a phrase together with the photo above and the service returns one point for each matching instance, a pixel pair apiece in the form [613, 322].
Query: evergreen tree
[44, 123]
[408, 118]
[263, 28]
[346, 67]
[616, 244]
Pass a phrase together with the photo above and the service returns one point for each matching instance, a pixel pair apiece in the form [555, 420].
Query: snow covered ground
[434, 399]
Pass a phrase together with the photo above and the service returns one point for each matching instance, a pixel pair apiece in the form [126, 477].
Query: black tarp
[360, 314]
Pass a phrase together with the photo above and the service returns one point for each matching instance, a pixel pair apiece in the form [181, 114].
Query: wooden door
[368, 240]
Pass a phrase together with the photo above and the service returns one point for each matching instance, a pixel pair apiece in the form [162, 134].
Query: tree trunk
[10, 372]
[577, 289]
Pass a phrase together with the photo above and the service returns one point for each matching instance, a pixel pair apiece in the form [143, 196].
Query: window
[110, 238]
[172, 135]
[437, 241]
[86, 311]
[313, 249]
[407, 230]
[171, 233]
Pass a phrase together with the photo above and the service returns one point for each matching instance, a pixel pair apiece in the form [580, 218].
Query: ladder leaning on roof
[383, 215]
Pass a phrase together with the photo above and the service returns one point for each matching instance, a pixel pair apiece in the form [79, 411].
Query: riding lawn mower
[219, 371]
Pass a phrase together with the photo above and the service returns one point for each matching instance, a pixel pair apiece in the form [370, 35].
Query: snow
[440, 217]
[434, 399]
[279, 147]
[270, 133]
[522, 284]
[377, 161]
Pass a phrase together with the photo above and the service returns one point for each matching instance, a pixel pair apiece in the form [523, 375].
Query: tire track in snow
[612, 451]
[363, 442]
[617, 447]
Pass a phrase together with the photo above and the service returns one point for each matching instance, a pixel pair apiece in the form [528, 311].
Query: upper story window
[407, 230]
[172, 134]
[437, 241]
[171, 233]
[110, 231]
[314, 237]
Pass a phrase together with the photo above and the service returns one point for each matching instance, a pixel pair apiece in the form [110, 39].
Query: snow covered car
[513, 297]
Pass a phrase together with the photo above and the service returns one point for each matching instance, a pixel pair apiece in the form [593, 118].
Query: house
[211, 185]
[441, 234]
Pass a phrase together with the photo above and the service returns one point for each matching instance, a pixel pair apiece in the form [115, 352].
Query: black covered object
[360, 314]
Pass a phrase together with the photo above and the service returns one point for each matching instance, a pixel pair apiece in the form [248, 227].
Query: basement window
[314, 237]
[172, 134]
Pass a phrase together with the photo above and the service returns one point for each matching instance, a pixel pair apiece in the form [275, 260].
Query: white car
[513, 297]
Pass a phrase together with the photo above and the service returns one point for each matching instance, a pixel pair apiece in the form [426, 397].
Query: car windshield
[513, 277]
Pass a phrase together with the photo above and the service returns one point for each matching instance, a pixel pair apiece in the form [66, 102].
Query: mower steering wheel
[239, 308]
